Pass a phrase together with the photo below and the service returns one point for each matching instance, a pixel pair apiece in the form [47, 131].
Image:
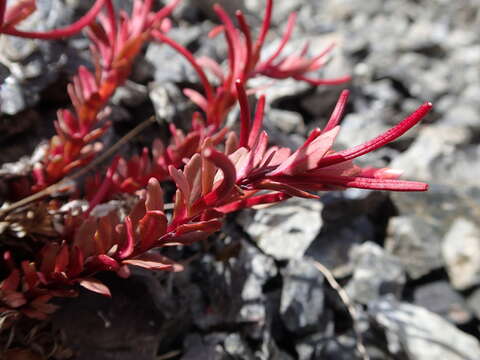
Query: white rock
[422, 335]
[286, 230]
[461, 251]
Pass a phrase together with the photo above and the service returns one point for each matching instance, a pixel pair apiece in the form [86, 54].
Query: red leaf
[154, 200]
[11, 282]
[13, 299]
[209, 226]
[154, 261]
[152, 226]
[126, 249]
[95, 285]
[62, 259]
[380, 140]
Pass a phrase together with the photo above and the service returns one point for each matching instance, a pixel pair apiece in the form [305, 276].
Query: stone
[334, 243]
[206, 347]
[433, 145]
[11, 97]
[285, 121]
[232, 292]
[276, 91]
[440, 298]
[130, 94]
[359, 128]
[206, 6]
[413, 241]
[461, 251]
[474, 303]
[440, 205]
[167, 100]
[302, 301]
[33, 64]
[179, 69]
[463, 115]
[269, 349]
[286, 230]
[420, 333]
[235, 346]
[375, 273]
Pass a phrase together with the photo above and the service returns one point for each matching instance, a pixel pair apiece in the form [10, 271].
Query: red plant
[244, 62]
[214, 170]
[115, 44]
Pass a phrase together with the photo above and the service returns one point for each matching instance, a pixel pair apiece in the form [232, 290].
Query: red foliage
[214, 170]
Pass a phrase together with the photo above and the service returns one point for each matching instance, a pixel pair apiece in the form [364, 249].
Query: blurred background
[409, 262]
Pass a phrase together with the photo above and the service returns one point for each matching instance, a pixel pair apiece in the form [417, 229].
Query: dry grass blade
[169, 355]
[348, 303]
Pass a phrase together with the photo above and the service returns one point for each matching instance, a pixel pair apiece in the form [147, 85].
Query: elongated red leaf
[380, 140]
[126, 249]
[95, 285]
[153, 261]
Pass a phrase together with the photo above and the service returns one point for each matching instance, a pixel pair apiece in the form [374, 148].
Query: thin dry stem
[349, 305]
[65, 181]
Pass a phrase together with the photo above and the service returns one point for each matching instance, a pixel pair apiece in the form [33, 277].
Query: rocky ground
[408, 263]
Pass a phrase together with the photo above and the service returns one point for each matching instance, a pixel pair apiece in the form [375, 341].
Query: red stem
[232, 40]
[265, 27]
[190, 58]
[3, 7]
[286, 37]
[103, 189]
[245, 118]
[318, 82]
[60, 33]
[248, 43]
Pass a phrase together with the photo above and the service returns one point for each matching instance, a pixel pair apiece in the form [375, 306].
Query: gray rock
[33, 64]
[275, 91]
[375, 273]
[333, 245]
[415, 243]
[440, 205]
[270, 350]
[359, 128]
[461, 251]
[321, 103]
[474, 302]
[342, 347]
[302, 302]
[11, 97]
[167, 100]
[235, 346]
[463, 167]
[382, 94]
[233, 290]
[130, 94]
[208, 347]
[285, 121]
[256, 269]
[178, 69]
[286, 230]
[420, 334]
[433, 145]
[463, 115]
[310, 346]
[206, 6]
[440, 298]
